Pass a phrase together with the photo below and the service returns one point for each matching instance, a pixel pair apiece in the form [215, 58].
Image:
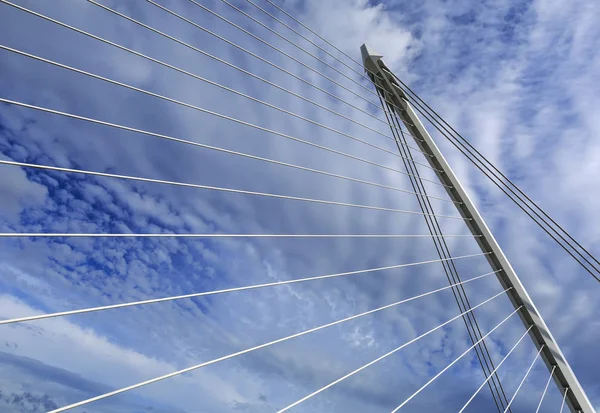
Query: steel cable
[238, 353]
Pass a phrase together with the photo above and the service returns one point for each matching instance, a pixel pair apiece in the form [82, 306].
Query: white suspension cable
[197, 108]
[211, 57]
[362, 75]
[210, 82]
[330, 44]
[496, 369]
[358, 370]
[294, 59]
[218, 188]
[461, 298]
[227, 290]
[216, 148]
[398, 127]
[223, 291]
[245, 51]
[562, 406]
[253, 75]
[248, 350]
[313, 32]
[209, 235]
[279, 50]
[545, 389]
[308, 40]
[314, 44]
[454, 362]
[276, 33]
[361, 65]
[524, 378]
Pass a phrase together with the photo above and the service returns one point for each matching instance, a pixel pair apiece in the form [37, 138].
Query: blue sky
[516, 78]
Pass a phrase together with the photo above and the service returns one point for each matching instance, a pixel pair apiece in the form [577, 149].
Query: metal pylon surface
[383, 79]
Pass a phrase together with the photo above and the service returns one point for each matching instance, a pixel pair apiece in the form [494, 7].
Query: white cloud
[18, 191]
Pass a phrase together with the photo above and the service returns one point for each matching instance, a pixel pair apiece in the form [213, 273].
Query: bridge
[310, 194]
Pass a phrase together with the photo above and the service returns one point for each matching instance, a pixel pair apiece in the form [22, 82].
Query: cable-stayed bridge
[359, 173]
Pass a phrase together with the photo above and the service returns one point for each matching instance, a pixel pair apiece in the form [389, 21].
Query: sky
[517, 79]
